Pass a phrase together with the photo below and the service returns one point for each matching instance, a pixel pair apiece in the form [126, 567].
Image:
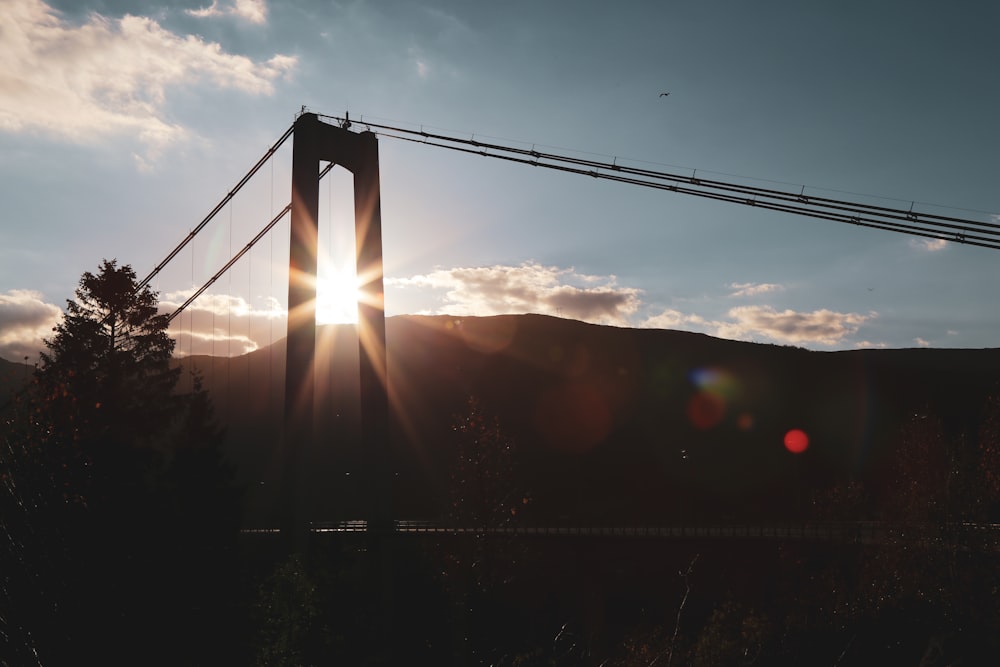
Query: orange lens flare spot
[796, 441]
[705, 410]
[745, 421]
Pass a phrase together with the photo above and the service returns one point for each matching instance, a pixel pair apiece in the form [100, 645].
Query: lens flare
[706, 410]
[717, 388]
[796, 441]
[489, 335]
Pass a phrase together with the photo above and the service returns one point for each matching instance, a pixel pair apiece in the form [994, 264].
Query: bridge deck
[862, 532]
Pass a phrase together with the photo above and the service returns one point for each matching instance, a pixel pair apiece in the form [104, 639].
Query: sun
[337, 294]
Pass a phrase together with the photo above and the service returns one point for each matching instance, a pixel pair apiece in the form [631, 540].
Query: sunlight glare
[337, 294]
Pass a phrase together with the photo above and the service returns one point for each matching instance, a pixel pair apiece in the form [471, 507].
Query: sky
[123, 123]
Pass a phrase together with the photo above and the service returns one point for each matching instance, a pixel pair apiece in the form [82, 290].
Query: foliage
[733, 635]
[106, 374]
[567, 649]
[922, 473]
[290, 616]
[986, 496]
[483, 493]
[485, 496]
[119, 513]
[932, 563]
[846, 500]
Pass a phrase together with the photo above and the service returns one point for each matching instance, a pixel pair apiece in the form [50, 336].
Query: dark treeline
[125, 488]
[120, 516]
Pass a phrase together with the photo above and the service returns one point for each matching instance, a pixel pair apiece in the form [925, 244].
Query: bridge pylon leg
[358, 153]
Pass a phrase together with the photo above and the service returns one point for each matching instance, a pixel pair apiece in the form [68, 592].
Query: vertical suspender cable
[270, 295]
[218, 207]
[229, 320]
[249, 313]
[191, 329]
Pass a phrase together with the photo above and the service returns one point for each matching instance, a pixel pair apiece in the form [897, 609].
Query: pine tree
[111, 482]
[107, 369]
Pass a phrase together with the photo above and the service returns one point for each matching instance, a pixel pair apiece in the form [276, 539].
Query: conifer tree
[108, 366]
[109, 479]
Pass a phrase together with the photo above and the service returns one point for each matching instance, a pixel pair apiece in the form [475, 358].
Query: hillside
[612, 425]
[617, 426]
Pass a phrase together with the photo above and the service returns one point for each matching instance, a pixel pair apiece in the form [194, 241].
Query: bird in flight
[664, 94]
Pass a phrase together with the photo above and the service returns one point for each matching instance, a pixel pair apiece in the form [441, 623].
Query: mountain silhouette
[611, 425]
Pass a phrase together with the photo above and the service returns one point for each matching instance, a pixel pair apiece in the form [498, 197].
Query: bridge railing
[963, 535]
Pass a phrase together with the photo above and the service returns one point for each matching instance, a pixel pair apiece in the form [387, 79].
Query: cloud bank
[223, 324]
[215, 324]
[528, 288]
[533, 288]
[822, 327]
[25, 319]
[111, 76]
[230, 325]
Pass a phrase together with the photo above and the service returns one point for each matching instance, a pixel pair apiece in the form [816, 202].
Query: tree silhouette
[986, 494]
[115, 497]
[485, 496]
[486, 500]
[107, 369]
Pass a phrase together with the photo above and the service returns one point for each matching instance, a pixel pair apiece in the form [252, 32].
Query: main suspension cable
[958, 230]
[917, 223]
[218, 207]
[235, 258]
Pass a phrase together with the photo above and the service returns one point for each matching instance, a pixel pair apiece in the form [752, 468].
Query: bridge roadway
[857, 532]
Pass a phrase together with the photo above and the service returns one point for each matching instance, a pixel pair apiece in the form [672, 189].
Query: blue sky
[123, 123]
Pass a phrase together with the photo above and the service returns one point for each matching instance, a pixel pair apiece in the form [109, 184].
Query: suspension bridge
[322, 142]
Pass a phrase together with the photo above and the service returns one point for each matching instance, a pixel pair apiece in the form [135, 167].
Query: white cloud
[254, 11]
[110, 76]
[929, 245]
[675, 319]
[921, 342]
[528, 288]
[25, 319]
[819, 327]
[753, 289]
[223, 324]
[191, 342]
[868, 345]
[825, 327]
[217, 324]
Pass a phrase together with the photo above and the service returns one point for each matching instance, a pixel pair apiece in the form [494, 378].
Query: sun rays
[338, 292]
